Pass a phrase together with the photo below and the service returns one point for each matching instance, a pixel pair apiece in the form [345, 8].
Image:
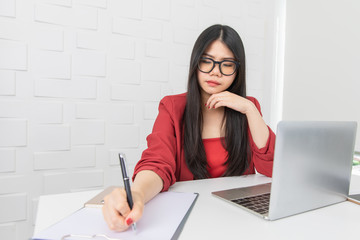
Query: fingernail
[205, 104]
[129, 221]
[213, 106]
[209, 107]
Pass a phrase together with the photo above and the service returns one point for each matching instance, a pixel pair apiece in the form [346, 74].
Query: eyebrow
[225, 58]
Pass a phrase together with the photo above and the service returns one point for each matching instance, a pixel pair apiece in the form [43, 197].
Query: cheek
[201, 78]
[201, 75]
[229, 80]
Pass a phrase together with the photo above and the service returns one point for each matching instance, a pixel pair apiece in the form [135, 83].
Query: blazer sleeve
[263, 158]
[160, 155]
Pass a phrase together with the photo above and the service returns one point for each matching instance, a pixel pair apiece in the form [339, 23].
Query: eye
[205, 61]
[228, 64]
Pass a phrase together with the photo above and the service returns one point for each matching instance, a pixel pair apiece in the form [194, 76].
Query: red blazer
[165, 154]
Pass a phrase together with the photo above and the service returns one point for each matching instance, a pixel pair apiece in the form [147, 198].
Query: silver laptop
[312, 169]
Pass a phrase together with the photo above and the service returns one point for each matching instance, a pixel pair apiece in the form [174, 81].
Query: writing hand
[116, 211]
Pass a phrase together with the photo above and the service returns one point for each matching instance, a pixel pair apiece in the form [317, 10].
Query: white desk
[213, 218]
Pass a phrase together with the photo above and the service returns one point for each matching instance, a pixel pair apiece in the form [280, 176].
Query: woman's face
[215, 81]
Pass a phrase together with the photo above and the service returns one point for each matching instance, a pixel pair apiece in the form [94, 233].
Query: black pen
[126, 185]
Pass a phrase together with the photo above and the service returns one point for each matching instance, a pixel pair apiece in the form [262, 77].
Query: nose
[216, 70]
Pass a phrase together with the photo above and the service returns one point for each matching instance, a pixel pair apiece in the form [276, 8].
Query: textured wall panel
[7, 83]
[123, 136]
[88, 132]
[13, 132]
[7, 160]
[51, 64]
[13, 55]
[16, 207]
[8, 231]
[49, 137]
[8, 8]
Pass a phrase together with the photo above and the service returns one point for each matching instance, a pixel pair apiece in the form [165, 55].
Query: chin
[212, 91]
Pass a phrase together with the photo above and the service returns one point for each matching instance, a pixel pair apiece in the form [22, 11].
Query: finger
[210, 99]
[219, 104]
[107, 212]
[213, 99]
[119, 202]
[135, 214]
[122, 208]
[114, 220]
[111, 214]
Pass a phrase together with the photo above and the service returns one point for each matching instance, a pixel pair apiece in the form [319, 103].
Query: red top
[165, 154]
[216, 156]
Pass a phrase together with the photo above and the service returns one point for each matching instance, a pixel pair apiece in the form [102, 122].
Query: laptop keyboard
[259, 203]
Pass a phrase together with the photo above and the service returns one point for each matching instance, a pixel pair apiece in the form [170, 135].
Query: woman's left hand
[230, 100]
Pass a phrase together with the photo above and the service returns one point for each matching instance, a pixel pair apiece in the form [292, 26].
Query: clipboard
[98, 200]
[164, 218]
[355, 198]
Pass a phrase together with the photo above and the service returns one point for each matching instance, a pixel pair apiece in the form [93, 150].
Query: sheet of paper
[162, 216]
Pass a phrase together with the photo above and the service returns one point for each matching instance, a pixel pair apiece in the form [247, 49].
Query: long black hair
[236, 126]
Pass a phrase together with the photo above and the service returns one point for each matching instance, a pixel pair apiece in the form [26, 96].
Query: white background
[322, 61]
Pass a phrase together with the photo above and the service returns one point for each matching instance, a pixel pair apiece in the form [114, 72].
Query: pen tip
[133, 227]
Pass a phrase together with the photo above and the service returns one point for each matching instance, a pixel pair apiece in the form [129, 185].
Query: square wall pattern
[81, 81]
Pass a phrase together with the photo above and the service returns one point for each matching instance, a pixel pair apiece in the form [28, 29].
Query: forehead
[218, 50]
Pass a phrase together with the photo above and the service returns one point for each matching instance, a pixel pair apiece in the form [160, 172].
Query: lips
[212, 83]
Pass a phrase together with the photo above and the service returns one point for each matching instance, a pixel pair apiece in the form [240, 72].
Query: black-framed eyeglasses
[227, 67]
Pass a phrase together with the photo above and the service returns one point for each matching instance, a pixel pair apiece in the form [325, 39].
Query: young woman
[213, 130]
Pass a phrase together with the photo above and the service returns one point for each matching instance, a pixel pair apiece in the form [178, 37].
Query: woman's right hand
[116, 210]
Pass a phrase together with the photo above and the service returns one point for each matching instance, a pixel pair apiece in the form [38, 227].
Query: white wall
[322, 59]
[80, 81]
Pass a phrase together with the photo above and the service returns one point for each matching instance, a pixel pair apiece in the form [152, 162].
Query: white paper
[162, 216]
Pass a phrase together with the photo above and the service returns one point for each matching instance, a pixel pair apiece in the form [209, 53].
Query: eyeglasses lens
[226, 67]
[206, 65]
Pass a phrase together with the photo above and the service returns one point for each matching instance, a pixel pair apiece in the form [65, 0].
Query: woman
[212, 130]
